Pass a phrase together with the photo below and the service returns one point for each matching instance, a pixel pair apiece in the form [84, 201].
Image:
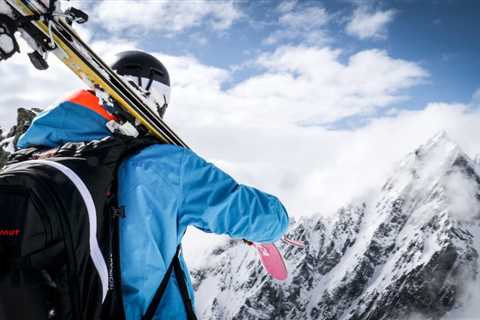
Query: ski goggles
[155, 90]
[8, 43]
[161, 94]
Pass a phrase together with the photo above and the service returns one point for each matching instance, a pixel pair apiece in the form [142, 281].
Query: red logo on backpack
[9, 232]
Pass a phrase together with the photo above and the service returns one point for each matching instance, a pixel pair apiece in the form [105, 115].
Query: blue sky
[443, 37]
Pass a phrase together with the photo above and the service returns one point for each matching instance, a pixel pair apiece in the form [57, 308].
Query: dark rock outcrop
[9, 139]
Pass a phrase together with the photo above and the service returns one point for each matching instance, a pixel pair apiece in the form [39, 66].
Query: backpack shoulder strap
[174, 267]
[24, 154]
[107, 150]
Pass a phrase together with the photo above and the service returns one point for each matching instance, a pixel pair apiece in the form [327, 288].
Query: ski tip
[272, 261]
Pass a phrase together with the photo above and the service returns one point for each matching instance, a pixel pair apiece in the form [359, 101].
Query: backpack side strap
[174, 266]
[183, 288]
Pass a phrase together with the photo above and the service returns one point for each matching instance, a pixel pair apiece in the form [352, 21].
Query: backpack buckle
[118, 212]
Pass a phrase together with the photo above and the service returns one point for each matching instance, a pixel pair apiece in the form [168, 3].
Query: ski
[272, 260]
[48, 29]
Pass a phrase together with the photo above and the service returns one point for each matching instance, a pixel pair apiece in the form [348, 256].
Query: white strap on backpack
[95, 253]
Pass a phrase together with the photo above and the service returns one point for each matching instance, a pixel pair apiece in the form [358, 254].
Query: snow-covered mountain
[410, 252]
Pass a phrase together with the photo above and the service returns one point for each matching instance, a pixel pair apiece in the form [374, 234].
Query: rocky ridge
[8, 139]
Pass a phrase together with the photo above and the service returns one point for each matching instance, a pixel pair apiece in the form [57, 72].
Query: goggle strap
[149, 85]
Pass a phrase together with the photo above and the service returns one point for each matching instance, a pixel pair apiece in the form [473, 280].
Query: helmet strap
[161, 110]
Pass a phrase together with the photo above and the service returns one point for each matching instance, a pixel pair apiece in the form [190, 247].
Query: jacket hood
[64, 122]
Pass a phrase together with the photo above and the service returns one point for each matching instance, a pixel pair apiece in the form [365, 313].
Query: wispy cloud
[476, 98]
[286, 6]
[311, 17]
[366, 24]
[300, 22]
[167, 16]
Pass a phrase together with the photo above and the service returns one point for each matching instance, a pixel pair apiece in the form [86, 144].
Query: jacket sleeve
[214, 202]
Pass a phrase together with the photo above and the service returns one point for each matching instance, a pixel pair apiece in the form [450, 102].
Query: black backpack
[59, 224]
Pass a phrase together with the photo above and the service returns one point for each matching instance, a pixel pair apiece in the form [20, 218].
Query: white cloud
[462, 201]
[476, 98]
[167, 16]
[365, 24]
[286, 6]
[306, 84]
[300, 23]
[308, 18]
[24, 86]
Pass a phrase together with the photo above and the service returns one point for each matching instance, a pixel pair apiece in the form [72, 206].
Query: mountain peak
[440, 143]
[428, 165]
[441, 135]
[434, 158]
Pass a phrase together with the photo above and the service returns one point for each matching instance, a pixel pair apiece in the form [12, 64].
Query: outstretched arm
[214, 202]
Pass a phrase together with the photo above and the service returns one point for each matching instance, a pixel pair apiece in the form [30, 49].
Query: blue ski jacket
[164, 189]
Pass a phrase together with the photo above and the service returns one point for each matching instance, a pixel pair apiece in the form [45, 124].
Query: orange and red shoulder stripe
[87, 99]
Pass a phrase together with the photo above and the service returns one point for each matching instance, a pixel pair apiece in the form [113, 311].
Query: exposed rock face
[9, 139]
[3, 153]
[407, 253]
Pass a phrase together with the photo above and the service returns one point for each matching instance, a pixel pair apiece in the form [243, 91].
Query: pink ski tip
[272, 261]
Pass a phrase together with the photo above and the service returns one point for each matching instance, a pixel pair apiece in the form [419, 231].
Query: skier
[163, 189]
